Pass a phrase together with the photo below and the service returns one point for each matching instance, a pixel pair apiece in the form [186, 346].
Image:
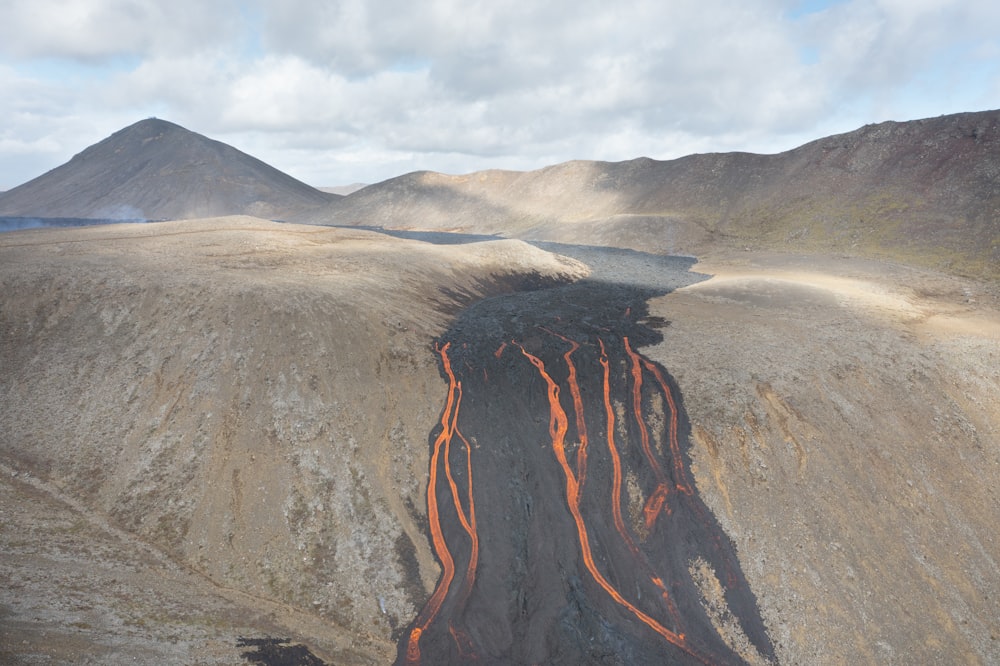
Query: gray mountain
[155, 169]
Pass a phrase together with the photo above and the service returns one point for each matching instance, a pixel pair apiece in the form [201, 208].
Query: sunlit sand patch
[773, 288]
[931, 316]
[971, 324]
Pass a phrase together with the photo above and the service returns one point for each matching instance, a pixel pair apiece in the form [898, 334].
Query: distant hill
[924, 191]
[155, 169]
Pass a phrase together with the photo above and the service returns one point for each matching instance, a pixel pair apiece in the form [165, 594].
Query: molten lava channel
[635, 520]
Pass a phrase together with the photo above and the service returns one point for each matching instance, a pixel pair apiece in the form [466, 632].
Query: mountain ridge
[219, 430]
[923, 191]
[155, 169]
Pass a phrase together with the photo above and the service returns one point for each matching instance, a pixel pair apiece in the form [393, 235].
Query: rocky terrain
[250, 399]
[846, 435]
[156, 170]
[923, 192]
[217, 435]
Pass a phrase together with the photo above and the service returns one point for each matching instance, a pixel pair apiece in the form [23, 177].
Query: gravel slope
[250, 399]
[846, 435]
[219, 428]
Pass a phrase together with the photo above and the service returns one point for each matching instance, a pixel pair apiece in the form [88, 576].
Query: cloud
[331, 85]
[505, 78]
[93, 30]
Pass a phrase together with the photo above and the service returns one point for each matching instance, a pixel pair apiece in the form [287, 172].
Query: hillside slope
[157, 170]
[925, 191]
[252, 400]
[218, 428]
[845, 435]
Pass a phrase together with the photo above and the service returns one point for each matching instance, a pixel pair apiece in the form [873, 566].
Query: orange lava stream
[558, 425]
[616, 492]
[442, 445]
[574, 391]
[683, 484]
[469, 525]
[656, 501]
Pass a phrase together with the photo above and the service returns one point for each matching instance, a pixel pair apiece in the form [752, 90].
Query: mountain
[240, 368]
[155, 169]
[330, 444]
[924, 191]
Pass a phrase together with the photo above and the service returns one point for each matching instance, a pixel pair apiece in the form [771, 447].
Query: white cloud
[322, 87]
[92, 30]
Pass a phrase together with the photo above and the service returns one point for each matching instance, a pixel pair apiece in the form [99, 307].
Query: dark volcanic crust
[552, 554]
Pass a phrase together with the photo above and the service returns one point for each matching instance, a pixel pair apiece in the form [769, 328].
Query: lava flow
[558, 425]
[583, 539]
[441, 458]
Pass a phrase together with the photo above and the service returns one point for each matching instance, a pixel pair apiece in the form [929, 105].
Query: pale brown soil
[77, 590]
[216, 429]
[847, 435]
[250, 400]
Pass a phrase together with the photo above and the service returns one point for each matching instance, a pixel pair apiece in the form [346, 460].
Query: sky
[341, 91]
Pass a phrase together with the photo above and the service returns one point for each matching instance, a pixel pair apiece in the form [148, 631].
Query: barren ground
[219, 429]
[847, 435]
[252, 400]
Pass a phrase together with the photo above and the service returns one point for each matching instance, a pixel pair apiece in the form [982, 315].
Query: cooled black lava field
[561, 505]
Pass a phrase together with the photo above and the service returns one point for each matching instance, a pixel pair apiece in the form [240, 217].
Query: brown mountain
[155, 169]
[924, 191]
[230, 438]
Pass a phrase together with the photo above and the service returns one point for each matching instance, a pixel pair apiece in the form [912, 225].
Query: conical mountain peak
[155, 169]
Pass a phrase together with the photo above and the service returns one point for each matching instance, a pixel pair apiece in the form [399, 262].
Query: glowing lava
[441, 457]
[578, 538]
